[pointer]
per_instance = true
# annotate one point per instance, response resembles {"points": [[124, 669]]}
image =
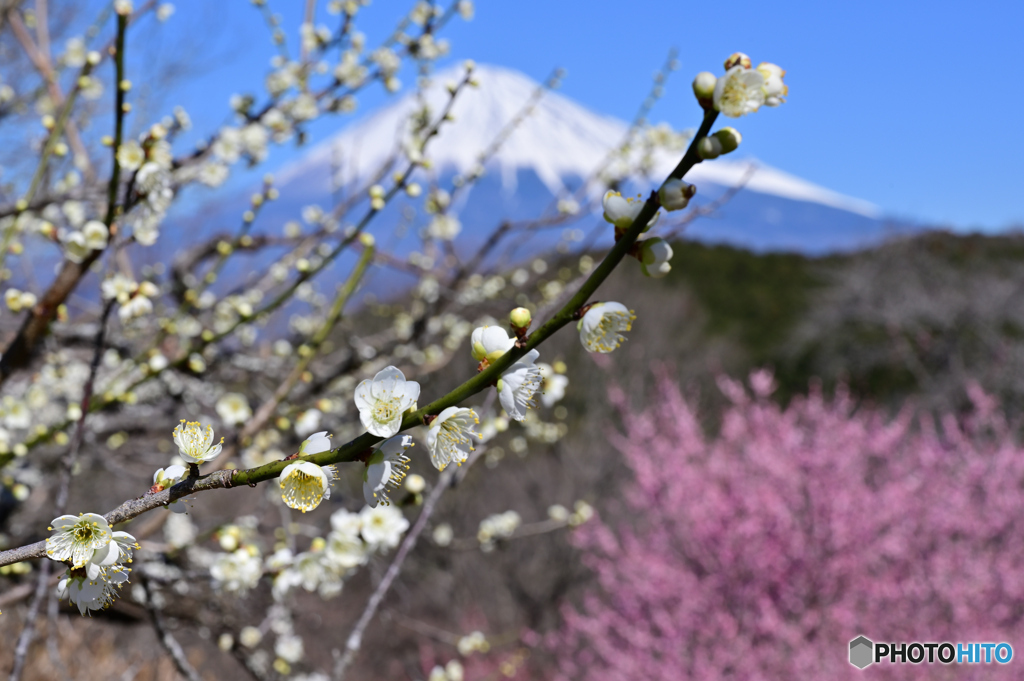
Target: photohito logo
{"points": [[864, 651]]}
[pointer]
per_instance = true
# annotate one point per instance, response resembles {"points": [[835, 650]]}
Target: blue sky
{"points": [[911, 105]]}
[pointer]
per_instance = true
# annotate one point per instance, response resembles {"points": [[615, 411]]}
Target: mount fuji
{"points": [[555, 148], [558, 145]]}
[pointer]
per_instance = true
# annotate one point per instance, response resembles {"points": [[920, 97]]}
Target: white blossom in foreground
{"points": [[518, 385], [775, 90], [655, 255], [621, 212], [386, 470], [76, 538], [448, 438], [739, 92], [233, 409], [490, 342], [383, 400], [383, 526], [315, 443], [602, 326], [553, 387], [92, 593], [194, 444], [117, 552], [304, 485]]}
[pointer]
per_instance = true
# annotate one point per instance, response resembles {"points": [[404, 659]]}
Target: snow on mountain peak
{"points": [[560, 139]]}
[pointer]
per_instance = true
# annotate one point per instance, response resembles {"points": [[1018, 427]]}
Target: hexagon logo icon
{"points": [[861, 649]]}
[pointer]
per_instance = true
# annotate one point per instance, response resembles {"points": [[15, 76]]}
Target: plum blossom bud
{"points": [[521, 318], [704, 85], [709, 148], [655, 254], [675, 194], [737, 59], [729, 138]]}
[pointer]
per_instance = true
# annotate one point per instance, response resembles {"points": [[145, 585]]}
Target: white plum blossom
{"points": [[131, 155], [96, 235], [76, 538], [350, 72], [518, 385], [75, 248], [233, 409], [443, 534], [775, 90], [655, 255], [621, 212], [117, 551], [228, 146], [739, 92], [92, 593], [74, 52], [385, 470], [289, 648], [444, 227], [238, 571], [383, 526], [602, 326], [553, 387], [213, 174], [194, 444], [304, 485], [498, 526], [448, 437], [315, 443], [19, 300], [118, 287], [490, 342], [383, 400], [165, 478], [138, 306]]}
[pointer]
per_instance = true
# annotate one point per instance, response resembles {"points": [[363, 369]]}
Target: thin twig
{"points": [[169, 643], [28, 631], [355, 639]]}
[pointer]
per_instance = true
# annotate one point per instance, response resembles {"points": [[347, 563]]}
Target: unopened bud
{"points": [[729, 138], [704, 85], [737, 59], [521, 318], [655, 254], [676, 194], [709, 148], [366, 239]]}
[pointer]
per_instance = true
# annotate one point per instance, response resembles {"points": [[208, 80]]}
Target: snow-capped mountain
{"points": [[557, 146]]}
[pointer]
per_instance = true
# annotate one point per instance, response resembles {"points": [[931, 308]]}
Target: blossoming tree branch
{"points": [[178, 329]]}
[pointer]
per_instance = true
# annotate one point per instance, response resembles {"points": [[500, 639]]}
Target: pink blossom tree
{"points": [[760, 551]]}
